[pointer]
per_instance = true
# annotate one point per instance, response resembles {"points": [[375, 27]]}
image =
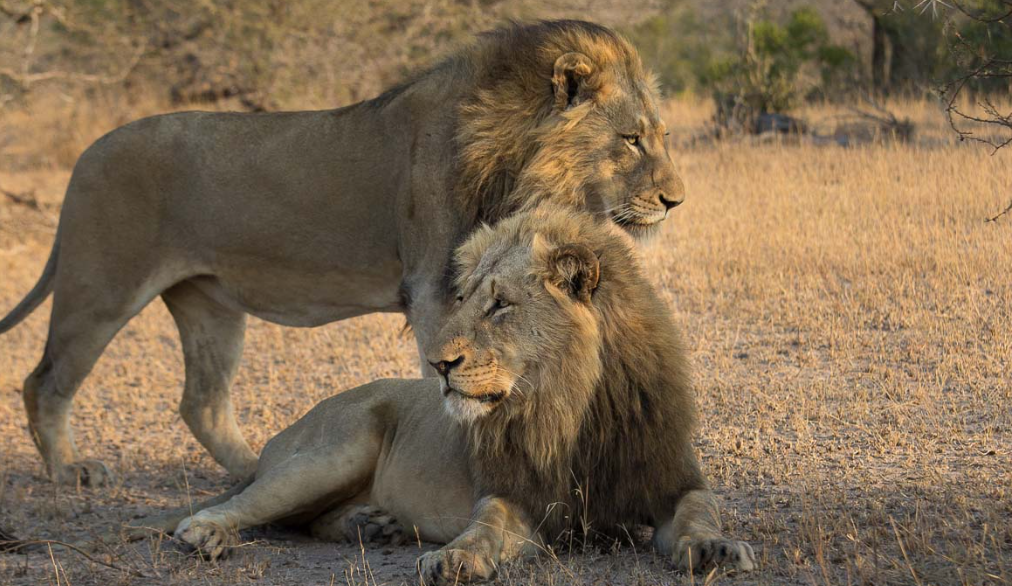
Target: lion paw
{"points": [[211, 539], [374, 525], [453, 566], [84, 472], [701, 555]]}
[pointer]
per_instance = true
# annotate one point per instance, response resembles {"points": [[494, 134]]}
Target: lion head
{"points": [[565, 112], [563, 365], [521, 312]]}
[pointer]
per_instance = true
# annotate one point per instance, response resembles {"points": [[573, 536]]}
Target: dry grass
{"points": [[848, 314]]}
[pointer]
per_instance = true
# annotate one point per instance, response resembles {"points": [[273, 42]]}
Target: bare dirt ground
{"points": [[848, 312]]}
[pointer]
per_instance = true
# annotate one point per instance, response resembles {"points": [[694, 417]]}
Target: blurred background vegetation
{"points": [[752, 58]]}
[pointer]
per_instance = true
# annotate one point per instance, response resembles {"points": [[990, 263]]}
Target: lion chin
{"points": [[636, 221], [639, 227], [467, 406]]}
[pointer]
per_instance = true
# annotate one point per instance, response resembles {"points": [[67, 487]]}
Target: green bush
{"points": [[778, 64], [678, 46]]}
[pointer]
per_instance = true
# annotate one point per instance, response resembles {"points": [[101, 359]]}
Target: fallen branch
{"points": [[26, 80], [26, 198], [14, 545], [6, 539], [1000, 214]]}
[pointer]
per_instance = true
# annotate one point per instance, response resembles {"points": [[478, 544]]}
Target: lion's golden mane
{"points": [[596, 453]]}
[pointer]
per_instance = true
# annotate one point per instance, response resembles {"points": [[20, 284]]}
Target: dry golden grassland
{"points": [[848, 315]]}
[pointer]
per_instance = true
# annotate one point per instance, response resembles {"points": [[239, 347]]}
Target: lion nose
{"points": [[669, 203], [444, 367]]}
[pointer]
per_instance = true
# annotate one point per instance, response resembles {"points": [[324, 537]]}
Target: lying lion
{"points": [[564, 402]]}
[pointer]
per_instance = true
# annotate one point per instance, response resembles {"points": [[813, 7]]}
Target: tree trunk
{"points": [[880, 70], [879, 58]]}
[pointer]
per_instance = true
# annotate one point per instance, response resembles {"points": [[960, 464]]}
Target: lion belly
{"points": [[292, 297]]}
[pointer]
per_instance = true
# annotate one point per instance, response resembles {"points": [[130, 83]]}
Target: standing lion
{"points": [[563, 404], [305, 218]]}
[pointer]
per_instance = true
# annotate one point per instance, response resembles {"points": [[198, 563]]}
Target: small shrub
{"points": [[779, 64], [776, 66], [677, 46]]}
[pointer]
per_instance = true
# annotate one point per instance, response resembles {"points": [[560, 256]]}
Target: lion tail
{"points": [[38, 293]]}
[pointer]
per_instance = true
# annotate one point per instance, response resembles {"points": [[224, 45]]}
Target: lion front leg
{"points": [[693, 540], [497, 533], [208, 534], [214, 531], [292, 487]]}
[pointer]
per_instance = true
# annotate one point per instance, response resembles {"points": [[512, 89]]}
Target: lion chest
{"points": [[422, 478]]}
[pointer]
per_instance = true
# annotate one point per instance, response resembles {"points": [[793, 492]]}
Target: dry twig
{"points": [[14, 545], [1000, 214], [26, 198], [988, 66], [25, 77]]}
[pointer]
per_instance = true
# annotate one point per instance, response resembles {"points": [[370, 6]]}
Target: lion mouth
{"points": [[639, 224], [493, 397]]}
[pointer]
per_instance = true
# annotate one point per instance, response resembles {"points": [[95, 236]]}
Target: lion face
{"points": [[519, 310], [634, 181], [604, 147]]}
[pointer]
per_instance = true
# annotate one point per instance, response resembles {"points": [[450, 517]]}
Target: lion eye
{"points": [[498, 305], [632, 140]]}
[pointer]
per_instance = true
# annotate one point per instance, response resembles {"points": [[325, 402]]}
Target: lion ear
{"points": [[574, 268], [573, 71]]}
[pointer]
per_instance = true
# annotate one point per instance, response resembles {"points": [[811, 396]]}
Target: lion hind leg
{"points": [[359, 524], [210, 536], [212, 338], [693, 539], [213, 531], [85, 318]]}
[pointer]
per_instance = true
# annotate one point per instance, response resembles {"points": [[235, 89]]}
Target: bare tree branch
{"points": [[28, 79], [981, 16], [25, 77], [983, 65]]}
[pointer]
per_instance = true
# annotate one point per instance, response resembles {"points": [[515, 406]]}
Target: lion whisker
{"points": [[618, 209], [612, 209], [519, 378]]}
